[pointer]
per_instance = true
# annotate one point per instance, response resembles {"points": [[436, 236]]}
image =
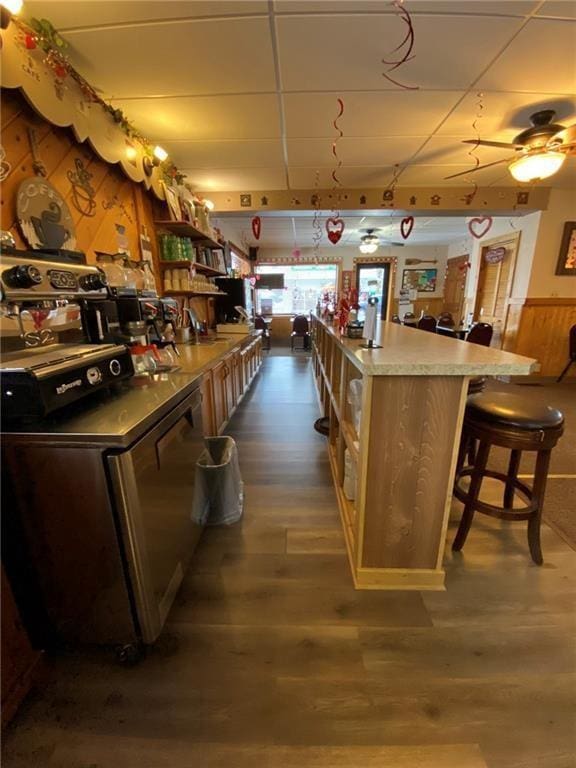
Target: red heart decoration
{"points": [[479, 226], [256, 227], [406, 226], [334, 229]]}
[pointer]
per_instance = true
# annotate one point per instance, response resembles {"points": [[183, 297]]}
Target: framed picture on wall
{"points": [[173, 202], [566, 264], [421, 280]]}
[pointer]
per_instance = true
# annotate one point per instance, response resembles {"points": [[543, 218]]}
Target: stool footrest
{"points": [[502, 513]]}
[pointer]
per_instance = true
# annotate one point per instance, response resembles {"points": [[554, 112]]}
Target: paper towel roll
{"points": [[369, 331]]}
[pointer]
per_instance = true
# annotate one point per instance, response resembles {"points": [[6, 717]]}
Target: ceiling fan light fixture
{"points": [[369, 243], [532, 167]]}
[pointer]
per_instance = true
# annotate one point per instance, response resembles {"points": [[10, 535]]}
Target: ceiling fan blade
{"points": [[479, 168], [564, 139], [501, 144]]}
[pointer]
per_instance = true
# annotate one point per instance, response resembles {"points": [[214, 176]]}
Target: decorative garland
{"points": [[335, 223], [42, 34], [474, 148]]}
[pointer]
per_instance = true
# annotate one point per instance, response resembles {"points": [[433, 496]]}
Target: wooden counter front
{"points": [[414, 393]]}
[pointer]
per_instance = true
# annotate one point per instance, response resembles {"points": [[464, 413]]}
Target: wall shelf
{"points": [[185, 229], [194, 293], [185, 264]]}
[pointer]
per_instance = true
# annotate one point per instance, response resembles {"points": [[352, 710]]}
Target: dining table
{"points": [[458, 331]]}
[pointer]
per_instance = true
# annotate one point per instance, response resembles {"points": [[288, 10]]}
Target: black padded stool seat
{"points": [[514, 422], [515, 410]]}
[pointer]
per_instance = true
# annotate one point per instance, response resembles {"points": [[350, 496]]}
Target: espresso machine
{"points": [[46, 362]]}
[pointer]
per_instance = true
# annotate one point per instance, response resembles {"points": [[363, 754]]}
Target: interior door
{"points": [[372, 280], [494, 286], [455, 286]]}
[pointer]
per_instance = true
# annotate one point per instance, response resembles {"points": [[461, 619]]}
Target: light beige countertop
{"points": [[412, 352], [196, 358]]}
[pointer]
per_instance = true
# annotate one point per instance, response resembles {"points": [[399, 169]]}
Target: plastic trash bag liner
{"points": [[218, 487], [355, 400]]}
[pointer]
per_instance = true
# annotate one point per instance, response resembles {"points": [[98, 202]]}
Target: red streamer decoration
{"points": [[336, 140], [404, 49], [474, 148], [256, 227]]}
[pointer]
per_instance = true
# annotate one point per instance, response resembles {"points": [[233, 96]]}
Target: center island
{"points": [[393, 452]]}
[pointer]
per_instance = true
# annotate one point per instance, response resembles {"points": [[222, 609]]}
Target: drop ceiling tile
{"points": [[504, 115], [449, 52], [226, 154], [564, 9], [205, 117], [237, 180], [70, 14], [504, 7], [434, 176], [192, 58], [317, 153], [541, 58], [350, 178], [446, 150], [382, 113]]}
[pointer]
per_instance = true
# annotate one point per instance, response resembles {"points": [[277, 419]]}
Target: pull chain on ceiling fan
{"points": [[543, 149]]}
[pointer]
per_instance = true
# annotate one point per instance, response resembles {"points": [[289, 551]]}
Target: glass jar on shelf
{"points": [[149, 279], [112, 269]]}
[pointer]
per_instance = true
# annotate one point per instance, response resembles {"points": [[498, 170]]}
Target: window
{"points": [[304, 284]]}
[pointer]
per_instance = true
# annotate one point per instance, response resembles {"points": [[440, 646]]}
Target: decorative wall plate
{"points": [[44, 216]]}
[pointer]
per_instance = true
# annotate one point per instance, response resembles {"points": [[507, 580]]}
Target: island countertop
{"points": [[412, 352]]}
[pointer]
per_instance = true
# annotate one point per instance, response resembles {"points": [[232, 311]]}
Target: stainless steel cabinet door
{"points": [[154, 488]]}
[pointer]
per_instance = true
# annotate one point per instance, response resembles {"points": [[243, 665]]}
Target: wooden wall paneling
{"points": [[414, 423], [543, 333], [511, 324]]}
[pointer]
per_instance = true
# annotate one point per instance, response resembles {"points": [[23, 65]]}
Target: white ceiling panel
{"points": [[226, 154], [236, 180], [360, 178], [200, 57], [542, 58], [434, 176], [504, 115], [382, 113], [317, 153], [565, 9], [449, 53], [71, 14], [205, 117], [475, 7]]}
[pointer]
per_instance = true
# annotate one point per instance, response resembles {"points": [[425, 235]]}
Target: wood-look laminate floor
{"points": [[270, 659]]}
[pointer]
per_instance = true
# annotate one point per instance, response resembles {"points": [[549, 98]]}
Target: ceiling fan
{"points": [[369, 242], [543, 148]]}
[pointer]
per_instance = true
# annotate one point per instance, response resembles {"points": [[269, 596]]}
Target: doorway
{"points": [[455, 286], [497, 262], [373, 281]]}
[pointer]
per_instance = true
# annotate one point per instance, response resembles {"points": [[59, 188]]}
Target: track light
{"points": [[158, 156]]}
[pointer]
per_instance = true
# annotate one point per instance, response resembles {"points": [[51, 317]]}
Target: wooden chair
{"points": [[480, 333], [300, 330], [572, 353], [427, 323], [517, 423]]}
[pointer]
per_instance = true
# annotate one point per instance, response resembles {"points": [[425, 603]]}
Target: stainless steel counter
{"points": [[112, 420]]}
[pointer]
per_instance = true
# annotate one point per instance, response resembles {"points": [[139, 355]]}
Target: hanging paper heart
{"points": [[406, 226], [334, 229], [296, 253], [256, 227], [479, 226]]}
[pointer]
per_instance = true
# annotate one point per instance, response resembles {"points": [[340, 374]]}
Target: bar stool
{"points": [[514, 422]]}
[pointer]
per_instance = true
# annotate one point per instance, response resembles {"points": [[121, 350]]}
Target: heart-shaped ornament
{"points": [[406, 226], [256, 227], [334, 229], [479, 226]]}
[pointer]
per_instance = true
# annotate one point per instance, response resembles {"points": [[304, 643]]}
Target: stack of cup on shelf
{"points": [[187, 280]]}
